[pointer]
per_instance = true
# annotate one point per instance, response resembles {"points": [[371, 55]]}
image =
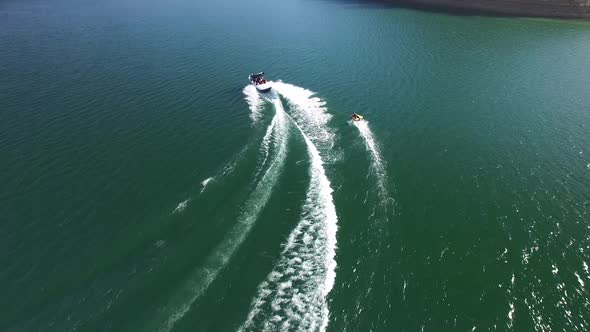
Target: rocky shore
{"points": [[573, 9]]}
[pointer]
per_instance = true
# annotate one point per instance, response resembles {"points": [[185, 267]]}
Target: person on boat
{"points": [[355, 117]]}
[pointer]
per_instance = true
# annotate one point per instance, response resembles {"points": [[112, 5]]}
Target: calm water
{"points": [[146, 187]]}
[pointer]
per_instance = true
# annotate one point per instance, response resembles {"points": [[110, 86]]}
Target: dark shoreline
{"points": [[557, 9]]}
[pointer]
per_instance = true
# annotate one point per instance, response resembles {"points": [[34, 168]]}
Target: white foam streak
{"points": [[181, 206], [201, 278], [311, 114], [254, 102], [377, 163], [580, 281], [205, 182], [264, 146], [294, 295], [226, 170]]}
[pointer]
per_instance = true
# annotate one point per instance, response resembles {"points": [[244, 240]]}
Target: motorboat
{"points": [[258, 80], [356, 117]]}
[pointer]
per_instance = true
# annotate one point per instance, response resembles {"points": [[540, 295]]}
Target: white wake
{"points": [[266, 140], [205, 182], [378, 228], [310, 113], [202, 278], [227, 169], [181, 206], [255, 102], [294, 295], [377, 163]]}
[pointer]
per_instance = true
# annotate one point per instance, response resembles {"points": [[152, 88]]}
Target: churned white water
{"points": [[294, 294], [254, 101], [377, 164], [199, 281]]}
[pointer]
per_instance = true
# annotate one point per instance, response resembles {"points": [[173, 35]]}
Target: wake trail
{"points": [[227, 169], [255, 104], [311, 114], [370, 255], [294, 294], [205, 182], [181, 206], [377, 163], [254, 101], [265, 145], [201, 278]]}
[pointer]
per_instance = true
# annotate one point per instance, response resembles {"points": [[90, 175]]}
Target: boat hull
{"points": [[259, 82], [263, 87]]}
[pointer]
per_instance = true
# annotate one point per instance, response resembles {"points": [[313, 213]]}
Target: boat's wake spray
{"points": [[254, 101], [377, 229], [377, 163], [294, 295], [201, 278], [226, 170]]}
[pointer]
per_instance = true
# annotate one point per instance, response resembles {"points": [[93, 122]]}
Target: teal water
{"points": [[146, 187]]}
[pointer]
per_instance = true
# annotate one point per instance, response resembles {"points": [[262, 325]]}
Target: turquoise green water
{"points": [[146, 187]]}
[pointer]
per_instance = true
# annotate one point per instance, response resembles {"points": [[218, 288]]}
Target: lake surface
{"points": [[146, 187]]}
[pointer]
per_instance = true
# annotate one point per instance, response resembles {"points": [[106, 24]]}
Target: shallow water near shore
{"points": [[146, 187]]}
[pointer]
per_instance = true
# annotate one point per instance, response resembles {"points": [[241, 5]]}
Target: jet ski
{"points": [[259, 82], [356, 117]]}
